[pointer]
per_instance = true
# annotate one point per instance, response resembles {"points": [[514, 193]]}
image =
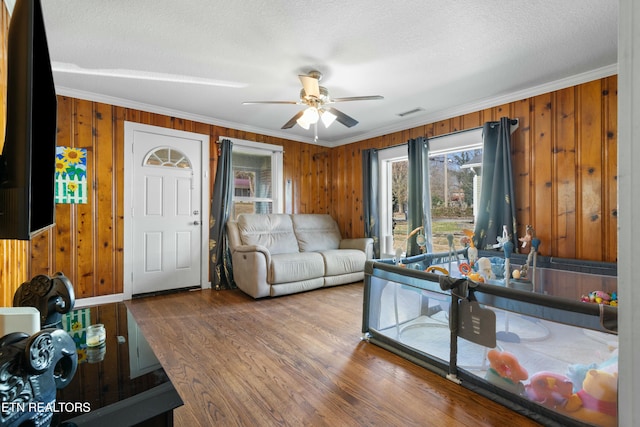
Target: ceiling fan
{"points": [[317, 100]]}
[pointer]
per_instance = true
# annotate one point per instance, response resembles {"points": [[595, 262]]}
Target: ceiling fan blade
{"points": [[348, 121], [270, 102], [310, 85], [292, 122], [357, 98]]}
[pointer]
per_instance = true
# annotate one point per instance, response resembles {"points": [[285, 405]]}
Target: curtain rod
{"points": [[434, 137], [512, 122]]}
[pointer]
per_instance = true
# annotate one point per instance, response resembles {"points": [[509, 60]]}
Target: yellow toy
{"points": [[476, 277], [441, 270], [597, 402]]}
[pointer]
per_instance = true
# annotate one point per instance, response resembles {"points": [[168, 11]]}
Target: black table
{"points": [[104, 390]]}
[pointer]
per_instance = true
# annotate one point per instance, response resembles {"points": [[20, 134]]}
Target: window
{"points": [[454, 171], [167, 157], [393, 165], [257, 178]]}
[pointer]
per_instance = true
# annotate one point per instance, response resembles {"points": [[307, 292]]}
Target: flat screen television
{"points": [[27, 164]]}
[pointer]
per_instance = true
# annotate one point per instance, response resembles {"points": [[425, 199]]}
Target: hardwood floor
{"points": [[296, 360]]}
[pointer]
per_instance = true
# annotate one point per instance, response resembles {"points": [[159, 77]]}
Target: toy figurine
{"points": [[472, 252], [528, 236], [502, 240]]}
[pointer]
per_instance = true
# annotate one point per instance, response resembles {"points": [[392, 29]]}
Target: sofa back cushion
{"points": [[316, 232], [273, 231]]}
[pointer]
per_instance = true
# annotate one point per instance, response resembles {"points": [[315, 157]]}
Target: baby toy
{"points": [[549, 389], [596, 402], [506, 372], [484, 268], [601, 297], [502, 240], [472, 252], [578, 372], [476, 277], [526, 239], [441, 270]]}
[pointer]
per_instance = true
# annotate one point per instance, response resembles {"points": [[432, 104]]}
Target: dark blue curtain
{"points": [[419, 196], [221, 271], [370, 198], [497, 209]]}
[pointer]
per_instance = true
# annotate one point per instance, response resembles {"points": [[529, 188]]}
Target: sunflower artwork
{"points": [[75, 324], [71, 175]]}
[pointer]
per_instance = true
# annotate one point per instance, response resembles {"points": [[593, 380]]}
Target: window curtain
{"points": [[370, 175], [496, 213], [220, 268], [419, 196]]}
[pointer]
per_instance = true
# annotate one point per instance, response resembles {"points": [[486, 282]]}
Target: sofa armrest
{"points": [[365, 244], [254, 248], [250, 267]]}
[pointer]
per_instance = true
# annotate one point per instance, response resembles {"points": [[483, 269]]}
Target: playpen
{"points": [[531, 344]]}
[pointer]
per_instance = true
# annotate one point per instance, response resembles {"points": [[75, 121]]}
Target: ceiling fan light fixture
{"points": [[304, 125], [327, 117], [309, 117]]}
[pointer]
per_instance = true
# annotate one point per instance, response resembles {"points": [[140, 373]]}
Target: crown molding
{"points": [[127, 103], [403, 125], [490, 102]]}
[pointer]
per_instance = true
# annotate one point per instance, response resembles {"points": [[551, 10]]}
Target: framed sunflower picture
{"points": [[71, 175]]}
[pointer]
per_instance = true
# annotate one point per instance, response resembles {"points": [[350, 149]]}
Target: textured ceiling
{"points": [[200, 59]]}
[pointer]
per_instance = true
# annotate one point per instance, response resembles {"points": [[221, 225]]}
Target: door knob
{"points": [[196, 222]]}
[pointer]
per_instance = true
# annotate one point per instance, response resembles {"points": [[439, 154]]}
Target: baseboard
{"points": [[105, 299]]}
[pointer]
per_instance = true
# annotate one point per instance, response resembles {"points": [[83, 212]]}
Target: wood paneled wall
{"points": [[564, 157], [564, 163]]}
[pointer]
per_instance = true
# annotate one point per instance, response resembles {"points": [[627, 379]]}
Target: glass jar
{"points": [[96, 335]]}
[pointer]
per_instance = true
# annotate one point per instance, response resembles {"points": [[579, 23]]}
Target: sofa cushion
{"points": [[295, 267], [293, 287], [273, 231], [316, 232], [343, 278], [343, 261]]}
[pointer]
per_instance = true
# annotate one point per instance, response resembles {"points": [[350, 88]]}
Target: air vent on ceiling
{"points": [[415, 110]]}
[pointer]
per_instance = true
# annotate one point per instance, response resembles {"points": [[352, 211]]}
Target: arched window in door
{"points": [[167, 157]]}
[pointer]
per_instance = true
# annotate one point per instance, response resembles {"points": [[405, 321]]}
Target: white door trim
{"points": [[129, 129]]}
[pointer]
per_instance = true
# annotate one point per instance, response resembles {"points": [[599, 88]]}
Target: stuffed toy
{"points": [[549, 389], [597, 401], [506, 371], [578, 372], [484, 268]]}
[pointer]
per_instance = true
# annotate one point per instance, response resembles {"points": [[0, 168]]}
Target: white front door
{"points": [[166, 210]]}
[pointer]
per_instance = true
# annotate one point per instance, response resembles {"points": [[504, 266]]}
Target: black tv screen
{"points": [[27, 165]]}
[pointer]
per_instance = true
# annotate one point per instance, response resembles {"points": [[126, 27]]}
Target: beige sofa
{"points": [[280, 254]]}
